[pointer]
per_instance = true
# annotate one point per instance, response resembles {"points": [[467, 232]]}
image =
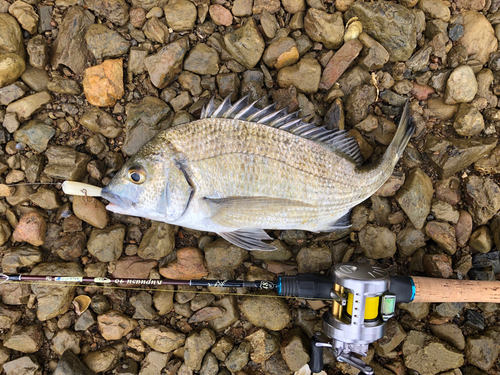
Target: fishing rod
{"points": [[363, 298]]}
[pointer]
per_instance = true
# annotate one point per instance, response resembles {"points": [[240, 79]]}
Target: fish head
{"points": [[149, 186]]}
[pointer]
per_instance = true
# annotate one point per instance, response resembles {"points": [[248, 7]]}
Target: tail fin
{"points": [[405, 130]]}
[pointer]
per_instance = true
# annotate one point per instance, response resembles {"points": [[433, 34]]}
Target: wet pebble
{"points": [[394, 335], [478, 36], [196, 345], [36, 134], [270, 313], [324, 28], [163, 299], [190, 264], [293, 76], [23, 365], [143, 303], [238, 357], [220, 15], [103, 84], [282, 52], [294, 349], [25, 339], [245, 44], [484, 197], [113, 325], [481, 240], [162, 339], [437, 265], [461, 86], [377, 242], [264, 345], [164, 66], [24, 108], [115, 11], [180, 15], [16, 258], [134, 267], [31, 228], [221, 255], [105, 358], [314, 259], [91, 211], [104, 42], [483, 350], [66, 340]]}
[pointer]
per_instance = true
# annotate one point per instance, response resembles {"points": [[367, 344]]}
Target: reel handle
{"points": [[316, 361]]}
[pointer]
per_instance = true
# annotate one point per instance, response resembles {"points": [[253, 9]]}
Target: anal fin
{"points": [[248, 239]]}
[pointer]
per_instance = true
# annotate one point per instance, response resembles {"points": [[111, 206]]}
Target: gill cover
{"points": [[177, 192]]}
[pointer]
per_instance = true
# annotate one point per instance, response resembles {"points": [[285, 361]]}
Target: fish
{"points": [[240, 170]]}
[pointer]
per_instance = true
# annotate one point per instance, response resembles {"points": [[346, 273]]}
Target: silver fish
{"points": [[239, 170]]}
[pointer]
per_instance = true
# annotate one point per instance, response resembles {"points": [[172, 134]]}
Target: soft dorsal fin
{"points": [[335, 140]]}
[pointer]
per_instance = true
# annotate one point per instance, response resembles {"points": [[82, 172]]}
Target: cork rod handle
{"points": [[429, 289]]}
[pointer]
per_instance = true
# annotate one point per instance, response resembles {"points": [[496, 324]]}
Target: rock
{"points": [[294, 6], [484, 198], [144, 120], [479, 36], [26, 365], [245, 44], [25, 15], [154, 363], [8, 316], [36, 134], [16, 258], [69, 48], [11, 37], [25, 339], [114, 325], [444, 211], [468, 121], [269, 24], [238, 358], [242, 8], [190, 264], [62, 85], [202, 59], [489, 164], [377, 242], [441, 110], [143, 303], [134, 267], [415, 197], [280, 53], [449, 333], [136, 59], [206, 314], [107, 244], [264, 345], [392, 25], [230, 316], [104, 42], [428, 355], [281, 253], [443, 234], [222, 348], [394, 335], [156, 30], [481, 240], [158, 241], [324, 28], [417, 310], [35, 79], [24, 108], [11, 68], [293, 76], [451, 155], [101, 122], [409, 240], [91, 211], [180, 15], [358, 103], [162, 339], [115, 11], [482, 351], [437, 265], [449, 309], [163, 299], [295, 349], [338, 64], [54, 300], [31, 229], [70, 364], [221, 256], [314, 259], [197, 344], [164, 66], [474, 320], [435, 9], [10, 93], [66, 340], [461, 86], [103, 84], [220, 15], [269, 313], [375, 55], [105, 358], [85, 321]]}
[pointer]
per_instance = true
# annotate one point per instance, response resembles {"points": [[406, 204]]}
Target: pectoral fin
{"points": [[249, 239]]}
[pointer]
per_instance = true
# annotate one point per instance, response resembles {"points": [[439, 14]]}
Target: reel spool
{"points": [[361, 306]]}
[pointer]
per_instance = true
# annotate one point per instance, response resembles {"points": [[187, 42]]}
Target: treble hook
{"points": [[86, 199]]}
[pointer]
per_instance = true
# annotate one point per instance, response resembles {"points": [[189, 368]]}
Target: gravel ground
{"points": [[85, 83]]}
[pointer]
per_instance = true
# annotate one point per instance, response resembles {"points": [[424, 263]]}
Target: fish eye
{"points": [[137, 175]]}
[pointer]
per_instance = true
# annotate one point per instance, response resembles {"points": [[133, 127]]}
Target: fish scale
{"points": [[263, 170]]}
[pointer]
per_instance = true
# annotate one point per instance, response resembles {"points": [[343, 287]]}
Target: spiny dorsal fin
{"points": [[335, 140]]}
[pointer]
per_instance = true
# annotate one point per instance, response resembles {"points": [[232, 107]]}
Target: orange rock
{"points": [[103, 84], [221, 15], [339, 63], [31, 229], [421, 92], [190, 264], [90, 210]]}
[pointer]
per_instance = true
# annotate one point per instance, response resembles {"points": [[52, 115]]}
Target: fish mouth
{"points": [[122, 202]]}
